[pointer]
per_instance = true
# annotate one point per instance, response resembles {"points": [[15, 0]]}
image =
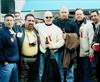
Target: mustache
{"points": [[30, 24]]}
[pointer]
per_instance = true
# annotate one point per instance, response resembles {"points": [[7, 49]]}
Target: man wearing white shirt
{"points": [[54, 35]]}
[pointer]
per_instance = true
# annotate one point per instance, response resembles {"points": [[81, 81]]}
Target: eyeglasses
{"points": [[63, 12], [48, 17]]}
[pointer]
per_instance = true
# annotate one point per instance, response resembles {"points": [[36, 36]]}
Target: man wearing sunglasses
{"points": [[53, 34]]}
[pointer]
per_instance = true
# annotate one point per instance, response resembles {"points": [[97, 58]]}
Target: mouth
{"points": [[30, 24]]}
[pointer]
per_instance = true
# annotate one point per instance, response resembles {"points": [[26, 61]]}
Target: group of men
{"points": [[23, 46]]}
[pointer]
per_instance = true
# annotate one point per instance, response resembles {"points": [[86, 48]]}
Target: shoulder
{"points": [[39, 24], [56, 27], [88, 24], [71, 21], [57, 19], [98, 27], [2, 32]]}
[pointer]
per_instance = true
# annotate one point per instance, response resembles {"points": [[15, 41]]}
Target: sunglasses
{"points": [[48, 17], [63, 12]]}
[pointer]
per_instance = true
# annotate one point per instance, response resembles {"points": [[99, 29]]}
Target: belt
{"points": [[29, 56]]}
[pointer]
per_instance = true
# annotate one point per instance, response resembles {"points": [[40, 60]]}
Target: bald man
{"points": [[68, 26], [53, 34]]}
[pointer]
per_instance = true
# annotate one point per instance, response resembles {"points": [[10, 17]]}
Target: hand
{"points": [[96, 47], [46, 45], [91, 57]]}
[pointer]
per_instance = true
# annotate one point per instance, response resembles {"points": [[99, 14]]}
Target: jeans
{"points": [[70, 71], [70, 74], [41, 65], [60, 63], [98, 67], [8, 72], [85, 69]]}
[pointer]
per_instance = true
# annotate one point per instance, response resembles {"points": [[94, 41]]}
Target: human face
{"points": [[94, 17], [64, 13], [79, 15], [9, 22], [48, 18], [17, 16], [29, 22]]}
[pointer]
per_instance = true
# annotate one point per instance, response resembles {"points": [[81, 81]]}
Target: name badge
{"points": [[12, 39], [19, 34]]}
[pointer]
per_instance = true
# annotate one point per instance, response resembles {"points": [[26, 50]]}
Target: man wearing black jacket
{"points": [[68, 26], [96, 40]]}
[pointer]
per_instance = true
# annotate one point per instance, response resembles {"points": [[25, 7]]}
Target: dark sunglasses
{"points": [[48, 17], [63, 12]]}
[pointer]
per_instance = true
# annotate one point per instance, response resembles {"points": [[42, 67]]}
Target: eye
{"points": [[49, 17], [31, 20]]}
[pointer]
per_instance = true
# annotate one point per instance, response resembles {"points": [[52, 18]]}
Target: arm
{"points": [[59, 42], [90, 36], [96, 35], [1, 47]]}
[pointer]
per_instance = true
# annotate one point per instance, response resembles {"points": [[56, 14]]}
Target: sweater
{"points": [[8, 46], [54, 34], [86, 36]]}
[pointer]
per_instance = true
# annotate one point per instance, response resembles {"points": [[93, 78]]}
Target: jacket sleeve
{"points": [[1, 45], [90, 36], [59, 40], [96, 35]]}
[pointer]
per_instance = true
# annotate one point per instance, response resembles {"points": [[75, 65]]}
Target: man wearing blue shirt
{"points": [[9, 54]]}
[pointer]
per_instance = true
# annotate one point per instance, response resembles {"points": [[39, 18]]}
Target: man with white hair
{"points": [[53, 34]]}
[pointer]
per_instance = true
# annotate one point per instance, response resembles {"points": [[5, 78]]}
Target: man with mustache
{"points": [[28, 43]]}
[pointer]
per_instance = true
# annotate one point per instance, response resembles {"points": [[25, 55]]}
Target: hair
{"points": [[95, 11], [8, 15], [16, 13], [79, 9], [29, 15], [64, 8], [48, 13]]}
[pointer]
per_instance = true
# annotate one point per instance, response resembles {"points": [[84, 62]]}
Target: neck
{"points": [[48, 24]]}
